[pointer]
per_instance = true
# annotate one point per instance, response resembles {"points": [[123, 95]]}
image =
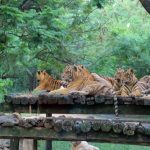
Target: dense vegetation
{"points": [[48, 34]]}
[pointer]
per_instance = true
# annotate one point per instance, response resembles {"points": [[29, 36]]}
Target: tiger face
{"points": [[119, 75], [67, 74], [42, 75], [145, 79], [72, 72], [129, 77]]}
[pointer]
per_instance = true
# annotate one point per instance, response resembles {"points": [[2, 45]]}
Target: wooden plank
{"points": [[14, 143], [49, 142], [121, 139], [83, 109], [35, 146], [27, 144], [77, 109], [47, 98], [49, 134]]}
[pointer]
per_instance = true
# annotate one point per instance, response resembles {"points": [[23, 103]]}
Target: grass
{"points": [[62, 145]]}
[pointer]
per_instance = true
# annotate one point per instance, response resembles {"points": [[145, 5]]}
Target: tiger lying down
{"points": [[80, 81], [47, 82]]}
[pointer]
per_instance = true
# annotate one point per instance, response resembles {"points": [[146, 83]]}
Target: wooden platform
{"points": [[113, 130], [74, 104]]}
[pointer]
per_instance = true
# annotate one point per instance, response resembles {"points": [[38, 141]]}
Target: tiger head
{"points": [[129, 77], [118, 76], [42, 75], [73, 72], [146, 80]]}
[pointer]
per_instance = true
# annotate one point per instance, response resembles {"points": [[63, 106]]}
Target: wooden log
{"points": [[21, 122], [119, 99], [50, 134], [32, 121], [90, 101], [127, 100], [40, 122], [43, 97], [49, 123], [109, 100], [139, 101], [147, 101], [53, 99], [78, 98], [146, 128], [14, 144], [96, 125], [16, 101], [10, 97], [140, 129], [106, 125], [65, 99], [67, 125], [24, 100], [9, 120], [118, 127], [85, 126], [27, 125], [58, 125], [99, 99], [77, 126], [129, 129], [33, 99]]}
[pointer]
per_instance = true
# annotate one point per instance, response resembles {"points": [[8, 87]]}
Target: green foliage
{"points": [[4, 85], [122, 39], [31, 40]]}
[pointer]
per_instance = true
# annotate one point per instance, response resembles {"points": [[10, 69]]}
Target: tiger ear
{"points": [[82, 66], [44, 72], [118, 69], [38, 71], [75, 67], [131, 70]]}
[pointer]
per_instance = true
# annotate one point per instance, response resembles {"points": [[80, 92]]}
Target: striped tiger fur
{"points": [[100, 78], [117, 82], [130, 85], [46, 82], [113, 82], [144, 84], [81, 81]]}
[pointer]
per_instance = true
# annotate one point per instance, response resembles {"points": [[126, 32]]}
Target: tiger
{"points": [[144, 84], [81, 81], [117, 82], [107, 80], [129, 84], [113, 82], [46, 82]]}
